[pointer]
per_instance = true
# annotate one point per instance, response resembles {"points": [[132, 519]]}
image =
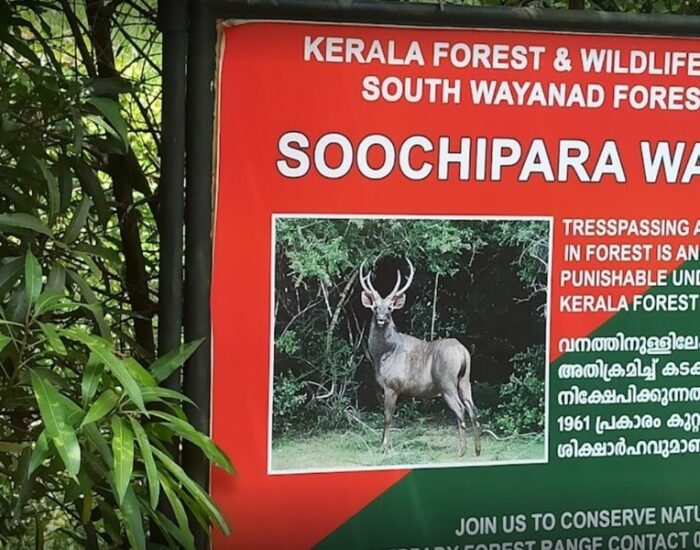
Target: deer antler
{"points": [[404, 288], [366, 282]]}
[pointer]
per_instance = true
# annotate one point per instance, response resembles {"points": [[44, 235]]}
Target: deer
{"points": [[408, 366]]}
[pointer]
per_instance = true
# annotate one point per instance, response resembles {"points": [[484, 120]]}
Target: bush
{"points": [[288, 403], [522, 398]]}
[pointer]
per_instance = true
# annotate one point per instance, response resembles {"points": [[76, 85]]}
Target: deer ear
{"points": [[399, 301], [367, 300]]}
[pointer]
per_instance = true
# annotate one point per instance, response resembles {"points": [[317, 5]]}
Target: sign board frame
{"points": [[205, 17]]}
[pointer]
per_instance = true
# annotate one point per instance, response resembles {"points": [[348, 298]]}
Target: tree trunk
{"points": [[435, 295], [136, 279]]}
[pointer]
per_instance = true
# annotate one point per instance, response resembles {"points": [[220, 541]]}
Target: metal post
{"points": [[172, 21], [198, 215]]}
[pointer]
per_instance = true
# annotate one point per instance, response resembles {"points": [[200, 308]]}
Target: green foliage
{"points": [[87, 435], [288, 410], [522, 398]]}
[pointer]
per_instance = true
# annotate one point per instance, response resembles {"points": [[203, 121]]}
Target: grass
{"points": [[421, 442]]}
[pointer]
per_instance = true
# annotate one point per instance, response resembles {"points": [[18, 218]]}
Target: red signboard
{"points": [[576, 151]]}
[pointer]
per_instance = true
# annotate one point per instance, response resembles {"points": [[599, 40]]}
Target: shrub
{"points": [[522, 398], [288, 403]]}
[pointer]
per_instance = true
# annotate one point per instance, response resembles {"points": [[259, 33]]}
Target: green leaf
{"points": [[195, 490], [73, 412], [186, 430], [141, 375], [90, 183], [77, 222], [93, 305], [57, 279], [52, 337], [78, 131], [107, 86], [20, 46], [158, 394], [39, 453], [166, 365], [53, 193], [107, 254], [148, 462], [133, 519], [23, 482], [111, 111], [50, 301], [112, 525], [99, 442], [170, 530], [101, 407], [9, 273], [13, 222], [65, 182], [123, 451], [32, 277], [53, 413], [91, 378], [4, 340], [180, 514], [120, 372]]}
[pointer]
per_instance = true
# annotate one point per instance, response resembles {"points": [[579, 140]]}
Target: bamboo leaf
{"points": [[13, 222], [78, 131], [111, 112], [73, 412], [52, 337], [170, 530], [53, 192], [158, 394], [56, 283], [32, 277], [186, 430], [50, 301], [92, 186], [9, 273], [166, 365], [131, 512], [195, 490], [99, 442], [23, 482], [120, 372], [4, 340], [53, 413], [101, 407], [142, 376], [78, 220], [107, 86], [91, 378], [148, 462], [39, 453], [123, 451], [180, 514], [93, 304], [20, 46]]}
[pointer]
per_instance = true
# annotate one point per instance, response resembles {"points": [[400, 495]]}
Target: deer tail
{"points": [[464, 371]]}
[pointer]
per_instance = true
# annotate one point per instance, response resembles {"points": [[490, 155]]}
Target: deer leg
{"points": [[390, 398], [455, 403], [465, 389]]}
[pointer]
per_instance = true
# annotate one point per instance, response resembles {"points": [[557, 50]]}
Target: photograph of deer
{"points": [[386, 329], [408, 366]]}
